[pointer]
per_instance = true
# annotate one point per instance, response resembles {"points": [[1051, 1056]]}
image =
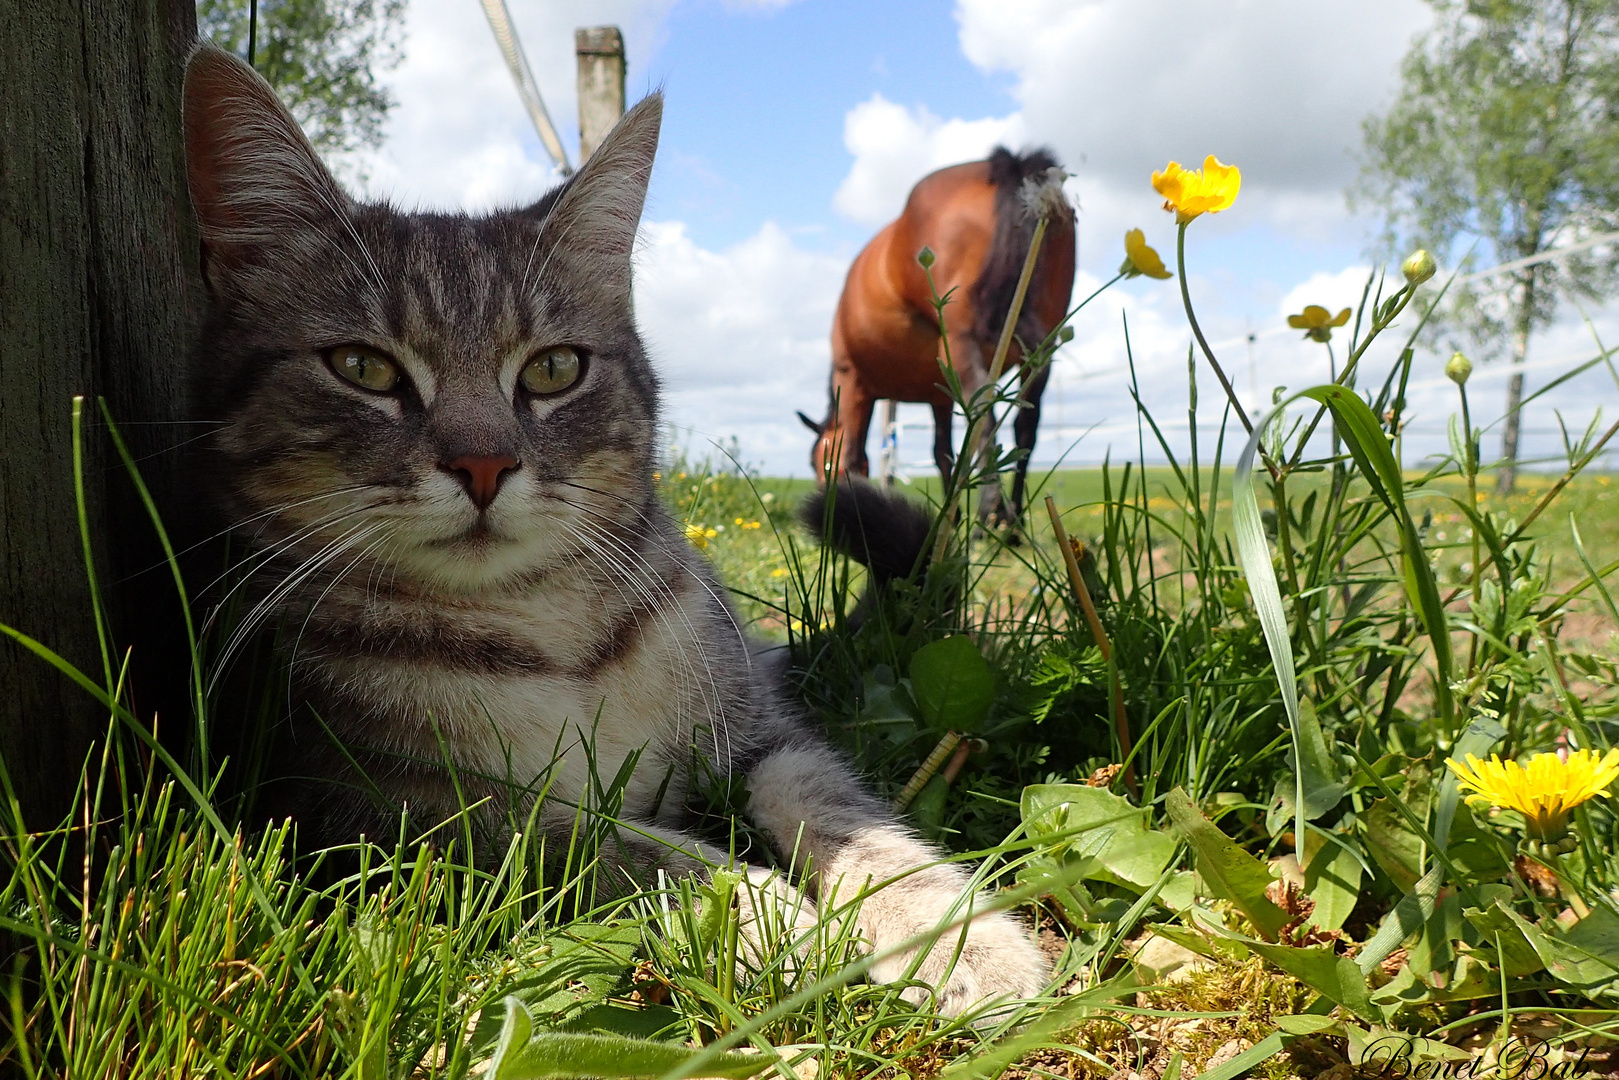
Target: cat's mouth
{"points": [[478, 536]]}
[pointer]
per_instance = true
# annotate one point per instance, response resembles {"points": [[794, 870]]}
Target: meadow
{"points": [[1205, 746]]}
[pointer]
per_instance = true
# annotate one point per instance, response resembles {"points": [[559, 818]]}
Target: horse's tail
{"points": [[1014, 230], [880, 529]]}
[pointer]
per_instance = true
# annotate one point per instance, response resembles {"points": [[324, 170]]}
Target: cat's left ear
{"points": [[595, 214]]}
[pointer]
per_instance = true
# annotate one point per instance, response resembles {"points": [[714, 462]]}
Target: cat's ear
{"points": [[595, 214], [255, 180]]}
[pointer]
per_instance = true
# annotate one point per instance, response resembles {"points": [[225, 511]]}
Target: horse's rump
{"points": [[1014, 230]]}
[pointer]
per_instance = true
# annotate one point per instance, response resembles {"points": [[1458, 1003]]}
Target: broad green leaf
{"points": [[1597, 934], [1567, 962], [523, 1055], [952, 684], [583, 964], [1392, 844], [1328, 974], [1103, 830], [1307, 1024], [1226, 868], [1323, 778], [1332, 880]]}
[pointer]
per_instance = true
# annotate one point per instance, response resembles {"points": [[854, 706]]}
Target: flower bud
{"points": [[1066, 334], [1458, 368], [1418, 266], [925, 257]]}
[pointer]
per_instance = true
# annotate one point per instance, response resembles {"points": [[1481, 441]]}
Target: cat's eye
{"points": [[365, 367], [552, 371]]}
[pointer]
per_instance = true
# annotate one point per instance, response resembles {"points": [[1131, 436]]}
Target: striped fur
{"points": [[568, 613]]}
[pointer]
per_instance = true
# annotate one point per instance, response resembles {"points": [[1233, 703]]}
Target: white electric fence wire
{"points": [[500, 21]]}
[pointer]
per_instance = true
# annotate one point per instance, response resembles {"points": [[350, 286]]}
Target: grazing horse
{"points": [[885, 336]]}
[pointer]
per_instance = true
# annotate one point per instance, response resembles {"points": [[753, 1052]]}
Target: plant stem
{"points": [[1121, 722], [924, 772], [1197, 331]]}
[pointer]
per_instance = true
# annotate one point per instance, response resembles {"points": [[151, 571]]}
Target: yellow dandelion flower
{"points": [[700, 535], [780, 571], [1140, 259], [1317, 322], [1543, 791], [1190, 192]]}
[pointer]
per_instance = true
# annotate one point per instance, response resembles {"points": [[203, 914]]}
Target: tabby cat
{"points": [[439, 433]]}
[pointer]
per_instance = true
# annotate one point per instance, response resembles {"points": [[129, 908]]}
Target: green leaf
{"points": [[952, 684], [1392, 844], [1413, 911], [1306, 1024], [1369, 445], [1102, 830], [1332, 880], [1328, 974], [1323, 780], [1226, 868], [523, 1055], [584, 964], [1261, 1052], [1568, 963]]}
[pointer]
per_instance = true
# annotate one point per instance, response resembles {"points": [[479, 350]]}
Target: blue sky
{"points": [[793, 130]]}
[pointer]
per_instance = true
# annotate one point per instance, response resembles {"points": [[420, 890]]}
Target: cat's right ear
{"points": [[596, 213], [255, 180]]}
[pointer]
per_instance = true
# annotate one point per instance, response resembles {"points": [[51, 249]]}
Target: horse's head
{"points": [[818, 452]]}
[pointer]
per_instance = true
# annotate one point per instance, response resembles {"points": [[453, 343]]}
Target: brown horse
{"points": [[885, 336]]}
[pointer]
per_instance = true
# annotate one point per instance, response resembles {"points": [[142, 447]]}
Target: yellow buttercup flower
{"points": [[1543, 791], [700, 535], [1190, 192], [1317, 322], [1140, 259]]}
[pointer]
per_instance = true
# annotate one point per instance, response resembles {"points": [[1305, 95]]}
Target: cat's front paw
{"points": [[998, 960]]}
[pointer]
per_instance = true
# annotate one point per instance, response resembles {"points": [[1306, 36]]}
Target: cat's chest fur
{"points": [[545, 685]]}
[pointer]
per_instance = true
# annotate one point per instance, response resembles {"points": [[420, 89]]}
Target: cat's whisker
{"points": [[649, 576], [268, 555], [272, 511], [590, 550], [289, 583], [292, 653]]}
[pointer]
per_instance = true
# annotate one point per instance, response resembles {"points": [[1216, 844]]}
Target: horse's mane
{"points": [[1014, 228]]}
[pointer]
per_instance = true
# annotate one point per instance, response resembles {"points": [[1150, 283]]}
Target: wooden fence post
{"points": [[98, 295], [601, 84]]}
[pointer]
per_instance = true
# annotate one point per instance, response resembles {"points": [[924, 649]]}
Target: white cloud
{"points": [[1276, 86], [740, 337], [894, 147]]}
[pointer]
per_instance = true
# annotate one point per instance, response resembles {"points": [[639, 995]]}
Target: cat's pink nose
{"points": [[481, 476]]}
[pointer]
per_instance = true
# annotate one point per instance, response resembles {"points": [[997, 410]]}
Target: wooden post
{"points": [[601, 84], [98, 275], [888, 455]]}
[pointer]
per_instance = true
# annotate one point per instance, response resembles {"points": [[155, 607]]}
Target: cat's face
{"points": [[460, 401]]}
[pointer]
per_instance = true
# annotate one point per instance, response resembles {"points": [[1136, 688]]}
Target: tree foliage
{"points": [[322, 56], [1503, 143]]}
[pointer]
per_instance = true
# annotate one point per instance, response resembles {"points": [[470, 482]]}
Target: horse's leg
{"points": [[854, 406], [1024, 429], [944, 451], [971, 361]]}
